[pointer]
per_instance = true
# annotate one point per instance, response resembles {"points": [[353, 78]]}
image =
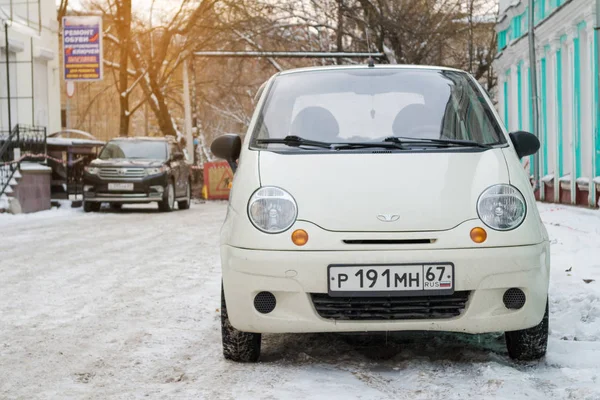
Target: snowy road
{"points": [[125, 305]]}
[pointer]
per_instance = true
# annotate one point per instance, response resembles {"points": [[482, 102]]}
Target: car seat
{"points": [[316, 123]]}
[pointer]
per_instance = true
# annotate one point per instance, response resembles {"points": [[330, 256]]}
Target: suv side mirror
{"points": [[228, 147], [525, 143]]}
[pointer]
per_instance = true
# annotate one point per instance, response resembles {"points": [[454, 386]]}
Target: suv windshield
{"points": [[135, 149], [372, 105]]}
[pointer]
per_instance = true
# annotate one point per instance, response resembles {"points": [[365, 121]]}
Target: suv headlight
{"points": [[272, 210], [92, 170], [155, 171], [502, 207]]}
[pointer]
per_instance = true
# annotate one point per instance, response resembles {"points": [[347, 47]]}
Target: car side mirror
{"points": [[228, 147], [525, 143], [178, 157]]}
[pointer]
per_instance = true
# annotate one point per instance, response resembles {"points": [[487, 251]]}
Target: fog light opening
{"points": [[478, 235], [299, 237], [265, 302], [514, 299]]}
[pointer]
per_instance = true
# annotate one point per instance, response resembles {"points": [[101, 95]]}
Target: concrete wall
{"points": [[33, 188]]}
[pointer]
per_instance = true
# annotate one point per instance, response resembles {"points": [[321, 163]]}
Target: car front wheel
{"points": [[237, 345], [185, 204], [168, 202], [91, 207], [529, 344]]}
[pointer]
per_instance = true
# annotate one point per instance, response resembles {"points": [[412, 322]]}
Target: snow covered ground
{"points": [[125, 305]]}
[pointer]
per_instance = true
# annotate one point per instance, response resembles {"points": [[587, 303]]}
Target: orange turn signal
{"points": [[299, 237], [478, 235]]}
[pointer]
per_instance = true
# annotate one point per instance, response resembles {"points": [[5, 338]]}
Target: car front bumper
{"points": [[145, 190], [292, 276]]}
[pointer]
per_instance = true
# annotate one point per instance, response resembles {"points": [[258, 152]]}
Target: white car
{"points": [[378, 199]]}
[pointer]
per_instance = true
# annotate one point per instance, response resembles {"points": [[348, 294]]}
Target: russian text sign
{"points": [[82, 48]]}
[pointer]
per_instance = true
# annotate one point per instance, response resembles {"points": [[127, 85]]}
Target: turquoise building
{"points": [[567, 75]]}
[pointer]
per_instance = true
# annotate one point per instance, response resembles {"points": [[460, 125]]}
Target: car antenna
{"points": [[370, 61]]}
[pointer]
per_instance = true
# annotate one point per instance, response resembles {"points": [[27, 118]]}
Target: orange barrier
{"points": [[217, 180]]}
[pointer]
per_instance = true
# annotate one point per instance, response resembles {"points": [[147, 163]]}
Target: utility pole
{"points": [[534, 93], [187, 112]]}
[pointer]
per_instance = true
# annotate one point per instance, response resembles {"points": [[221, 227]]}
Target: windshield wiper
{"points": [[438, 142], [295, 141]]}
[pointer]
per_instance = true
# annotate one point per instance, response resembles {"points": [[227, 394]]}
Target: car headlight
{"points": [[272, 210], [92, 170], [155, 171], [502, 207]]}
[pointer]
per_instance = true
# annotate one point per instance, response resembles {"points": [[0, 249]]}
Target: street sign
{"points": [[217, 180], [82, 48]]}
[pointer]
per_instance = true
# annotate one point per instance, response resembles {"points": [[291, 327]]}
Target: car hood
{"points": [[127, 163], [421, 191]]}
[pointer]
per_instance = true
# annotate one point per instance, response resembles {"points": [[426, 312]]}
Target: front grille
{"points": [[389, 241], [390, 308], [121, 173], [127, 195]]}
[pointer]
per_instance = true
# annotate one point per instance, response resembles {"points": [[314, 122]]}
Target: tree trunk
{"points": [[124, 30], [340, 29]]}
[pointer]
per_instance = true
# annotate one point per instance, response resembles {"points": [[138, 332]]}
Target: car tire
{"points": [[91, 206], [529, 344], [237, 345], [116, 206], [185, 204], [168, 202]]}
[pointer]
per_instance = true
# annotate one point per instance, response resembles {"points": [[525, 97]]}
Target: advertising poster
{"points": [[82, 48]]}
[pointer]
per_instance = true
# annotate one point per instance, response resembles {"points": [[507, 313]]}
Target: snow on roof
{"points": [[58, 141], [33, 166], [146, 138]]}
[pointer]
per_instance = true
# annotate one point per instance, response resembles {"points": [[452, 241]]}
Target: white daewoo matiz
{"points": [[378, 199]]}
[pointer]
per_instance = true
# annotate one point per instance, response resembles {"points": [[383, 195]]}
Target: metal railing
{"points": [[21, 140], [8, 144]]}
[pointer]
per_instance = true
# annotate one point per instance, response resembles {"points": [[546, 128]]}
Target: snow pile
{"points": [[575, 279], [125, 305]]}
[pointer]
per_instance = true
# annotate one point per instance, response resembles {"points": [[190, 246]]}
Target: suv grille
{"points": [[390, 308], [122, 173]]}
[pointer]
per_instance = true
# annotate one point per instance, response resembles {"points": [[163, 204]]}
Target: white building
{"points": [[567, 69], [32, 82]]}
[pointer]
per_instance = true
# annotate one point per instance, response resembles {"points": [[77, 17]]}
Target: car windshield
{"points": [[135, 149], [370, 105]]}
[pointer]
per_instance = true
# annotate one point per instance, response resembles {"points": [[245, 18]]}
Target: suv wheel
{"points": [[529, 344], [237, 345], [185, 204], [168, 202], [91, 207]]}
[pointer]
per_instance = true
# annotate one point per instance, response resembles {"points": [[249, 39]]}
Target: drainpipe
{"points": [[7, 73], [596, 134], [534, 94]]}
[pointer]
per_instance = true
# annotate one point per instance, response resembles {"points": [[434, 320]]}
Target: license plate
{"points": [[120, 186], [391, 280]]}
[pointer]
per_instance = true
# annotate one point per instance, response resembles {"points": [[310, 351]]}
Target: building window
{"points": [[40, 92], [26, 12], [4, 85], [516, 27], [501, 40]]}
